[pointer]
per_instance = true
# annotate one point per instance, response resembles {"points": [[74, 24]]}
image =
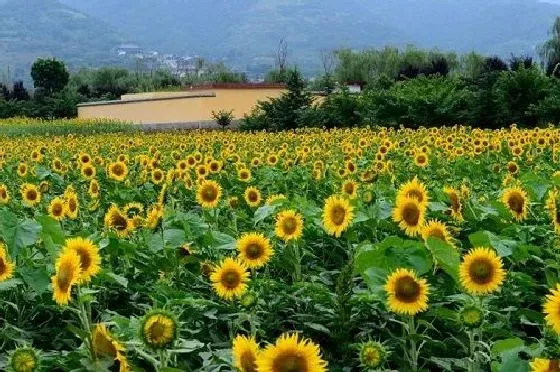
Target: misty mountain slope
{"points": [[241, 30], [42, 28]]}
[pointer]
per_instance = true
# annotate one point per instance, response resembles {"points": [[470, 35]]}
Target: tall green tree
{"points": [[50, 75], [285, 112], [549, 51]]}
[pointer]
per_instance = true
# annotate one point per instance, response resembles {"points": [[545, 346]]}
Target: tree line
{"points": [[414, 87], [57, 92]]}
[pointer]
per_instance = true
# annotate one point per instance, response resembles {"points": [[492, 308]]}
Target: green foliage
{"points": [[284, 112], [223, 118], [421, 101], [49, 75]]}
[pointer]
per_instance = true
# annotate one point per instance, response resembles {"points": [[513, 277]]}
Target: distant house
{"points": [[127, 49], [355, 86]]}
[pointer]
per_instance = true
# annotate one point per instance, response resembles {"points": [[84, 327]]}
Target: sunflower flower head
{"points": [[229, 278], [291, 353], [159, 329], [481, 271], [24, 359], [337, 215], [255, 250], [406, 294], [289, 225], [245, 351]]}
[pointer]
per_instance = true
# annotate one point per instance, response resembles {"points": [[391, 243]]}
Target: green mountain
{"points": [[243, 31], [47, 28]]}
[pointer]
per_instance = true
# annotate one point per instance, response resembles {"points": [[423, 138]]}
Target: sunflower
{"points": [[22, 169], [372, 354], [481, 271], [67, 274], [409, 213], [244, 175], [157, 176], [6, 266], [436, 229], [30, 194], [159, 329], [471, 317], [254, 249], [90, 260], [456, 209], [421, 159], [337, 215], [24, 359], [349, 188], [291, 353], [406, 294], [275, 198], [289, 225], [4, 194], [117, 221], [88, 171], [104, 345], [552, 309], [245, 352], [72, 204], [93, 189], [544, 365], [515, 199], [57, 208], [230, 278], [117, 171], [208, 194], [512, 167], [414, 189], [252, 196]]}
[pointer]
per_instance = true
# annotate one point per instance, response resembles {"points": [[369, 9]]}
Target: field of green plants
{"points": [[306, 251]]}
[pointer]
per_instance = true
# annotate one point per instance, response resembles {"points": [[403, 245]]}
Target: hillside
{"points": [[42, 28], [243, 30]]}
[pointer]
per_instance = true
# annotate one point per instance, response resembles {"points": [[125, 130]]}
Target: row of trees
{"points": [[57, 92], [417, 87]]}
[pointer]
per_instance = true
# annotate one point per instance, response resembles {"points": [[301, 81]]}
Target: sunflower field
{"points": [[367, 249]]}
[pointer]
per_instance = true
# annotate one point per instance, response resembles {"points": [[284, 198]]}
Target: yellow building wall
{"points": [[179, 107]]}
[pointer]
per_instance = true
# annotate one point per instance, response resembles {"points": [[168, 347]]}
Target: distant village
{"points": [[179, 66]]}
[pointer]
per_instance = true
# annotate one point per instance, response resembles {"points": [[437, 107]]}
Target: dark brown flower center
{"points": [[289, 225], [253, 251], [119, 222], [290, 362], [31, 195], [516, 202], [85, 258], [230, 279], [407, 289], [247, 361], [157, 331], [481, 271], [253, 196], [411, 214], [57, 209], [118, 169], [64, 277], [209, 194], [338, 213]]}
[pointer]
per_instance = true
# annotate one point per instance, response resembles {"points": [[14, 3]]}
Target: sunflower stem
{"points": [[86, 324], [413, 353], [473, 363], [297, 262]]}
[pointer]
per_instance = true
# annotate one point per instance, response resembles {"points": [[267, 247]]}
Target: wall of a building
{"points": [[178, 107]]}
